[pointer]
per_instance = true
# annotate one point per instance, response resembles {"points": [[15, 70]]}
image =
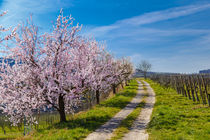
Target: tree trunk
{"points": [[126, 83], [97, 97], [114, 89], [62, 109], [145, 75], [122, 85]]}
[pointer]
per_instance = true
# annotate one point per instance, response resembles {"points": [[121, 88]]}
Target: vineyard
{"points": [[196, 87], [177, 118]]}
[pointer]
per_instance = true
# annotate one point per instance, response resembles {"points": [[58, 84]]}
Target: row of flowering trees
{"points": [[54, 70]]}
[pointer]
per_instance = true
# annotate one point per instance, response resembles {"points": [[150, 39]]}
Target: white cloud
{"points": [[164, 15], [148, 18]]}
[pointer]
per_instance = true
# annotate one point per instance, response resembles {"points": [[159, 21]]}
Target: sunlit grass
{"points": [[176, 118]]}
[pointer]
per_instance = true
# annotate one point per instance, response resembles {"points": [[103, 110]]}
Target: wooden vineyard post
{"points": [[195, 88], [171, 82], [183, 86], [207, 84], [205, 89], [200, 88], [191, 87], [179, 85], [176, 85], [187, 87]]}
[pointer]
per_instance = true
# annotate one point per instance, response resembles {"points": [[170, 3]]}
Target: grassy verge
{"points": [[84, 123], [176, 118]]}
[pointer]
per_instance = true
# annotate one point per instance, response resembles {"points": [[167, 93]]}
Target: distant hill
{"points": [[204, 71], [140, 74]]}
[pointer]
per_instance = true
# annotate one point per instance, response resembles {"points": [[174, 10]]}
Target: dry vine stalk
{"points": [[195, 86]]}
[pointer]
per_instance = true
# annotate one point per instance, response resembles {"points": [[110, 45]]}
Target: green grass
{"points": [[84, 123], [177, 118], [11, 132]]}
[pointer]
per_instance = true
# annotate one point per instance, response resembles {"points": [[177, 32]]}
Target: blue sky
{"points": [[173, 35]]}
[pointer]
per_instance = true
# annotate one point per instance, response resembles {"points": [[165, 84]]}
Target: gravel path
{"points": [[138, 130], [105, 131]]}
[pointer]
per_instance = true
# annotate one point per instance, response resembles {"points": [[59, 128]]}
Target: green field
{"points": [[177, 118]]}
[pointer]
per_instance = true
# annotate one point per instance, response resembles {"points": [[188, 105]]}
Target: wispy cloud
{"points": [[182, 49], [20, 10], [151, 17], [164, 15]]}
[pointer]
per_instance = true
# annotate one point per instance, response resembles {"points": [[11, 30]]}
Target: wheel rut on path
{"points": [[105, 131], [138, 129]]}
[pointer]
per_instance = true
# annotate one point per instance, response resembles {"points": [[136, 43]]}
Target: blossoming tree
{"points": [[54, 70]]}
